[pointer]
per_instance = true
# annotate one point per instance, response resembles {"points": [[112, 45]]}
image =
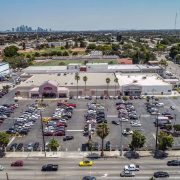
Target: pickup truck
{"points": [[131, 167], [49, 167]]}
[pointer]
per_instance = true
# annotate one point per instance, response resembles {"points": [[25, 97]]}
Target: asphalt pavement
{"points": [[69, 170]]}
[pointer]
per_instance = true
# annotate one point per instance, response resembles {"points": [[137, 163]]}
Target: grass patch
{"points": [[66, 62]]}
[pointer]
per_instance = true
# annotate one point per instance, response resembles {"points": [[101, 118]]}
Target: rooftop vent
{"points": [[144, 77], [134, 81]]}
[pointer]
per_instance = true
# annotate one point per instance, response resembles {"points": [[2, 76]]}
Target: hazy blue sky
{"points": [[90, 14]]}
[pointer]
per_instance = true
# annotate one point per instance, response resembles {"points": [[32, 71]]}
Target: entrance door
{"points": [[49, 95], [62, 95]]}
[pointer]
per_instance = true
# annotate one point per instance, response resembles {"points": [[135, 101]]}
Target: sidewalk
{"points": [[74, 155]]}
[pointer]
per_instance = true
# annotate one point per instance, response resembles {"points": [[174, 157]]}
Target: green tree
{"points": [[91, 46], [65, 53], [102, 130], [174, 51], [11, 51], [6, 88], [77, 78], [83, 44], [53, 144], [177, 58], [4, 139], [138, 140], [36, 54], [115, 47], [108, 80], [75, 53], [67, 45], [116, 83], [165, 141], [163, 63], [85, 78]]}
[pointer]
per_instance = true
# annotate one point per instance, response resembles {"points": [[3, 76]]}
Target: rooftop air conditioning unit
{"points": [[134, 81], [144, 77]]}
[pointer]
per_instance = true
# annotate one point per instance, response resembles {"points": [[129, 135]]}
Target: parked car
{"points": [[115, 122], [66, 138], [20, 146]]}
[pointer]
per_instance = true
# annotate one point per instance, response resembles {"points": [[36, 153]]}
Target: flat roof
{"points": [[94, 79], [3, 63], [140, 79], [45, 68], [124, 67]]}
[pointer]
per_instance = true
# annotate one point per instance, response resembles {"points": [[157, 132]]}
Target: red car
{"points": [[61, 124], [66, 104], [17, 163], [59, 133]]}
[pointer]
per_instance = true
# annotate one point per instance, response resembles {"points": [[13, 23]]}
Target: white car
{"points": [[131, 167], [125, 132], [160, 104], [136, 124], [1, 168], [124, 119]]}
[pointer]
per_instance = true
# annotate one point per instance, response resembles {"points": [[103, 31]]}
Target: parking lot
{"points": [[75, 125]]}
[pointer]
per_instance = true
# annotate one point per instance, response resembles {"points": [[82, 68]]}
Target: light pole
{"points": [[157, 129], [43, 134], [121, 139]]}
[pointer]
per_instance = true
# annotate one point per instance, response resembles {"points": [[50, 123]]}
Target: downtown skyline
{"points": [[78, 15]]}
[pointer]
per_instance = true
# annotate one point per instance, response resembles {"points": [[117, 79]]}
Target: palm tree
{"points": [[108, 81], [85, 80], [102, 131], [116, 81], [77, 78]]}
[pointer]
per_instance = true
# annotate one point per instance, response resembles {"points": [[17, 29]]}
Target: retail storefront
{"points": [[49, 89]]}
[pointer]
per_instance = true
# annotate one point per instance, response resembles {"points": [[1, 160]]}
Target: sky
{"points": [[90, 14]]}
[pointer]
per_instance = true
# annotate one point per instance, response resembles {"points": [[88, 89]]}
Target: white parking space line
{"points": [[12, 139], [75, 130], [154, 136], [80, 109], [112, 116]]}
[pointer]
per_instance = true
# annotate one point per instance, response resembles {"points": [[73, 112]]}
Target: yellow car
{"points": [[46, 119], [85, 163]]}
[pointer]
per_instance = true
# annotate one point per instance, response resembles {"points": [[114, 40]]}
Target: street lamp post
{"points": [[121, 139], [157, 129], [43, 134]]}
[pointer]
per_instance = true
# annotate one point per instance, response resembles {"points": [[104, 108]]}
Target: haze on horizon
{"points": [[90, 14]]}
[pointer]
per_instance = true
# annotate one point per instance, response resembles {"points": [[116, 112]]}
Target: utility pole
{"points": [[121, 139], [7, 177], [157, 129], [43, 134]]}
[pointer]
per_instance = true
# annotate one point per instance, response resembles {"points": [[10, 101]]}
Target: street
{"points": [[68, 169]]}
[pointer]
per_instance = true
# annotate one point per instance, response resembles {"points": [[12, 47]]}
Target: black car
{"points": [[35, 146], [66, 138], [173, 163], [14, 146], [115, 122], [160, 174], [88, 178], [49, 167], [108, 145], [20, 146]]}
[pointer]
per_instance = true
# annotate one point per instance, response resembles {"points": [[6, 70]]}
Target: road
{"points": [[107, 169], [174, 68]]}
